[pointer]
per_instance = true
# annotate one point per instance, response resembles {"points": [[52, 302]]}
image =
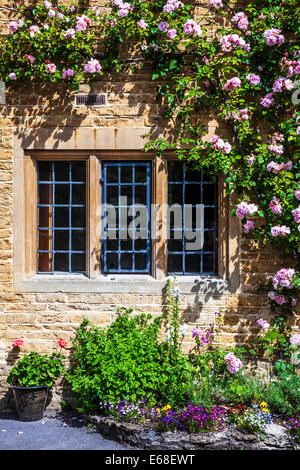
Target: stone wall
{"points": [[40, 317], [144, 437]]}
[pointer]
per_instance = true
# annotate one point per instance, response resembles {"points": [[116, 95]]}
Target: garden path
{"points": [[56, 431]]}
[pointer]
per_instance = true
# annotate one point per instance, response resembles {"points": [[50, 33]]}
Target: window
{"points": [[111, 213], [192, 222], [126, 245], [61, 217]]}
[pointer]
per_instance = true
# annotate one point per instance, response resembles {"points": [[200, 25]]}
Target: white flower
{"points": [[176, 292], [183, 330]]}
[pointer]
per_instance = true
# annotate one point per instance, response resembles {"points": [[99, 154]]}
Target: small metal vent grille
{"points": [[91, 100]]}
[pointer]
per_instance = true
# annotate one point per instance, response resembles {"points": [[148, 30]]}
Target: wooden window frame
{"points": [[93, 222], [93, 172]]}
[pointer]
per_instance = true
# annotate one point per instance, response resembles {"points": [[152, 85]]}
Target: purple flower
{"points": [[163, 26], [280, 230], [13, 26], [142, 24], [273, 36], [172, 33], [67, 73], [92, 66]]}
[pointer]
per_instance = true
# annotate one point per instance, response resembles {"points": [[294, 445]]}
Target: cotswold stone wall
{"points": [[39, 317]]}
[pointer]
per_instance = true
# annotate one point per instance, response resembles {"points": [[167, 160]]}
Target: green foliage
{"points": [[241, 389], [34, 370], [275, 341], [283, 394], [126, 361], [215, 384]]}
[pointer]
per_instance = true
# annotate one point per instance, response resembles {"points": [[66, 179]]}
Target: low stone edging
{"points": [[145, 438]]}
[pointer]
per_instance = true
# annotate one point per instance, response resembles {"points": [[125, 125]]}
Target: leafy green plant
{"points": [[283, 394], [126, 361], [274, 343], [240, 389], [34, 370]]}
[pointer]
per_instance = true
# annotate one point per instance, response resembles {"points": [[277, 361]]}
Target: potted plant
{"points": [[31, 378]]}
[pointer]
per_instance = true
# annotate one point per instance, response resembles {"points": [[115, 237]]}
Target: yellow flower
{"points": [[167, 407], [263, 404], [152, 404], [158, 410], [265, 410]]}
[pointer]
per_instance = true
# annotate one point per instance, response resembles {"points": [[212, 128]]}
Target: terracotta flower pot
{"points": [[30, 402]]}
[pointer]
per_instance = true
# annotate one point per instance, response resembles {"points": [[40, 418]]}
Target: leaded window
{"points": [[61, 216], [126, 196], [193, 196]]}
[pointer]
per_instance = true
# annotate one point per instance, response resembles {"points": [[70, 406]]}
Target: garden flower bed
{"points": [[144, 436], [138, 388]]}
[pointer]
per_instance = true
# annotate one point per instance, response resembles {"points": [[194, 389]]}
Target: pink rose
{"points": [[51, 68], [296, 215], [215, 3], [248, 226], [67, 73], [253, 79], [142, 24], [92, 66], [172, 33], [283, 278], [34, 30], [280, 299], [267, 101], [250, 160], [70, 33], [163, 26], [191, 27], [232, 84], [263, 324], [275, 207], [273, 36], [13, 26], [245, 209], [295, 339], [280, 230]]}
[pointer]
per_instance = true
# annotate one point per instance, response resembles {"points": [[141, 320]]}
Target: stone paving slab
{"points": [[56, 431]]}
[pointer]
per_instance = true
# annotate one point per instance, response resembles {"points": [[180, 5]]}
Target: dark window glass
{"points": [[78, 194], [78, 171], [126, 174], [175, 264], [62, 194], [61, 240], [61, 262], [62, 171], [45, 171]]}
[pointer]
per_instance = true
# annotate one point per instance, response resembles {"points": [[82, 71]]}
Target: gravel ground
{"points": [[56, 431]]}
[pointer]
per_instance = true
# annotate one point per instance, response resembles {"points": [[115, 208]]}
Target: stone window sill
{"points": [[122, 284]]}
